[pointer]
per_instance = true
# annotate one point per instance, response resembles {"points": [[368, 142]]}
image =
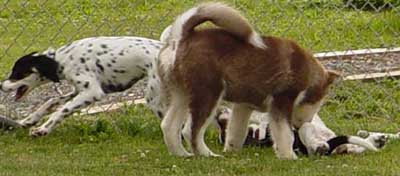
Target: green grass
{"points": [[129, 142]]}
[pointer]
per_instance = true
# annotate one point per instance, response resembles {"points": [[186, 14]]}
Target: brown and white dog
{"points": [[199, 68]]}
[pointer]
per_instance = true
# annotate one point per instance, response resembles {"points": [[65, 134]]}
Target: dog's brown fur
{"points": [[211, 62]]}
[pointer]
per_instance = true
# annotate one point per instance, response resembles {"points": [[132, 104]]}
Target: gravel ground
{"points": [[348, 65]]}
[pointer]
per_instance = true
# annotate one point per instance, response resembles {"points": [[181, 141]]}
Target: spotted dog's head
{"points": [[29, 72]]}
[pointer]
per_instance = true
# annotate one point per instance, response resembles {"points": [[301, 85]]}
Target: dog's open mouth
{"points": [[21, 92]]}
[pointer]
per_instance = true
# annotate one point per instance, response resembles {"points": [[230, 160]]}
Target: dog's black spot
{"points": [[84, 54], [150, 65], [110, 88], [96, 99], [65, 110], [87, 102], [147, 65], [87, 69], [147, 100], [103, 46], [151, 88], [77, 74], [154, 76], [109, 65], [61, 70], [119, 71], [78, 82], [113, 61], [137, 44], [99, 65], [160, 114], [89, 50], [86, 85], [82, 60], [121, 53], [147, 52], [99, 53], [113, 76], [130, 46], [158, 47], [141, 68], [111, 54], [70, 57], [138, 40], [105, 52], [78, 107], [90, 45], [143, 47]]}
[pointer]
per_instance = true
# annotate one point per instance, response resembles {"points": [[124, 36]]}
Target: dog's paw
{"points": [[378, 141], [36, 132], [321, 148], [287, 156]]}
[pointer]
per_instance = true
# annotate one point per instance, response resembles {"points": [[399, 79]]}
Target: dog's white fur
{"points": [[315, 134], [87, 64]]}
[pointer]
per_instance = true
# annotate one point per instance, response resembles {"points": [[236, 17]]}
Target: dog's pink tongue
{"points": [[20, 92]]}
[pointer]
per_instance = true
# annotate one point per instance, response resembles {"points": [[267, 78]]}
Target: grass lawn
{"points": [[129, 142]]}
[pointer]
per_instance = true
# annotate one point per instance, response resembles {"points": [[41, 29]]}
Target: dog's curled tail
{"points": [[219, 14], [339, 140]]}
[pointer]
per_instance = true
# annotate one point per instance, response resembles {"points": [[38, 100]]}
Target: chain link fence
{"points": [[320, 25]]}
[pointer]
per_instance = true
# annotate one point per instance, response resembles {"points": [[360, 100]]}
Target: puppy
{"points": [[94, 66], [199, 68], [312, 138]]}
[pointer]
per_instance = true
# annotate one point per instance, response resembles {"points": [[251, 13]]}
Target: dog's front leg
{"points": [[45, 109], [82, 100]]}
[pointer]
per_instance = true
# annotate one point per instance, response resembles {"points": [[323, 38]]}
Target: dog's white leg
{"points": [[202, 148], [172, 123], [83, 99], [187, 131], [283, 137], [43, 110], [237, 128]]}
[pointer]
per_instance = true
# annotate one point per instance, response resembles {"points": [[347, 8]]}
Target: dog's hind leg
{"points": [[187, 131], [83, 99], [172, 123], [45, 109], [202, 110], [237, 127]]}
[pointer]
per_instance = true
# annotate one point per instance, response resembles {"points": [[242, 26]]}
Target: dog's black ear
{"points": [[47, 67]]}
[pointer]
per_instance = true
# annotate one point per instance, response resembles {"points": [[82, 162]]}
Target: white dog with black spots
{"points": [[94, 66]]}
